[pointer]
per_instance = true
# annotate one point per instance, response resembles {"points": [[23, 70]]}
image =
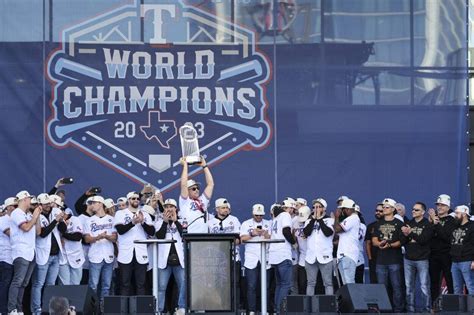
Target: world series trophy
{"points": [[189, 144]]}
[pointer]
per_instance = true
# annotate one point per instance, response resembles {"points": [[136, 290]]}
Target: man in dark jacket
{"points": [[462, 251], [416, 237], [440, 261]]}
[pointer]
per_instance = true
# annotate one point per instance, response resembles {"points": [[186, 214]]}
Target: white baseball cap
{"points": [[56, 199], [11, 201], [357, 208], [22, 195], [171, 202], [109, 203], [321, 201], [303, 213], [258, 209], [95, 199], [222, 202], [444, 199], [462, 209], [34, 200], [289, 202], [347, 203], [389, 201], [43, 198], [341, 198], [133, 194], [122, 199], [301, 201], [192, 182], [148, 209]]}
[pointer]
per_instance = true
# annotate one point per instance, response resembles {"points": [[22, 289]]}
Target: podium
{"points": [[210, 273]]}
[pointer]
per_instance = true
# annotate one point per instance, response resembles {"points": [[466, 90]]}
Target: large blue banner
{"points": [[100, 97]]}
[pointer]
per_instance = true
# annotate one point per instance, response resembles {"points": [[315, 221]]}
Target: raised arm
{"points": [[209, 179], [184, 178]]}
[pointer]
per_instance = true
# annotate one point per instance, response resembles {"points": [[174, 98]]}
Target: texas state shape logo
{"points": [[125, 81]]}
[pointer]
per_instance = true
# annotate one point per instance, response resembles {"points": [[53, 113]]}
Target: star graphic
{"points": [[164, 128]]}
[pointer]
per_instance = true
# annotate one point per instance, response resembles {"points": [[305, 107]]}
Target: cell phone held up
{"points": [[67, 180], [96, 190]]}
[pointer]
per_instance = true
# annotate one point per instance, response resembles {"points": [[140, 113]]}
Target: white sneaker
{"points": [[14, 312], [181, 311], [251, 313]]}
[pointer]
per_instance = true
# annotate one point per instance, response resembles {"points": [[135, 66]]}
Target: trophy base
{"points": [[191, 160]]}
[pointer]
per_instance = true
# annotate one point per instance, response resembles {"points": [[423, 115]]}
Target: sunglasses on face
{"points": [[416, 210], [194, 188], [258, 215], [134, 198]]}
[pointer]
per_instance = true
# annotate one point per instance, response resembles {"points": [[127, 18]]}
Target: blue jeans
{"points": [[347, 268], [164, 276], [69, 275], [253, 278], [283, 275], [43, 275], [462, 273], [392, 272], [102, 271], [6, 274], [420, 268]]}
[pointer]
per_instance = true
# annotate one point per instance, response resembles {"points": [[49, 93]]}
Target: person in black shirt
{"points": [[416, 237], [462, 251], [386, 237], [440, 261], [369, 247]]}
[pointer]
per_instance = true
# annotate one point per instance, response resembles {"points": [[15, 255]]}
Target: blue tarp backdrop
{"points": [[98, 92]]}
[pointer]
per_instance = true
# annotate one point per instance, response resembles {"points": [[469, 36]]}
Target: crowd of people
{"points": [[44, 242]]}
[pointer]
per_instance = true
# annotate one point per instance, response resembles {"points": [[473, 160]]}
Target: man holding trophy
{"points": [[192, 204]]}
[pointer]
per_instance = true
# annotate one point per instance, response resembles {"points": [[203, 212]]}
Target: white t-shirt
{"points": [[362, 230], [229, 225], [22, 242], [164, 249], [252, 251], [73, 250], [126, 245], [279, 252], [101, 250], [85, 247], [5, 247], [320, 246], [192, 216], [302, 241], [349, 239]]}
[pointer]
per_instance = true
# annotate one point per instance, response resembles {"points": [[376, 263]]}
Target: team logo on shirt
{"points": [[125, 81]]}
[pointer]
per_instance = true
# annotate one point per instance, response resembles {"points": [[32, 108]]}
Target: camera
{"points": [[259, 227], [67, 180]]}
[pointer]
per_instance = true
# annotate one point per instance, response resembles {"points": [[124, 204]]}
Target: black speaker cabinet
{"points": [[142, 304], [81, 297], [323, 304], [116, 305], [452, 303], [363, 298], [296, 304]]}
